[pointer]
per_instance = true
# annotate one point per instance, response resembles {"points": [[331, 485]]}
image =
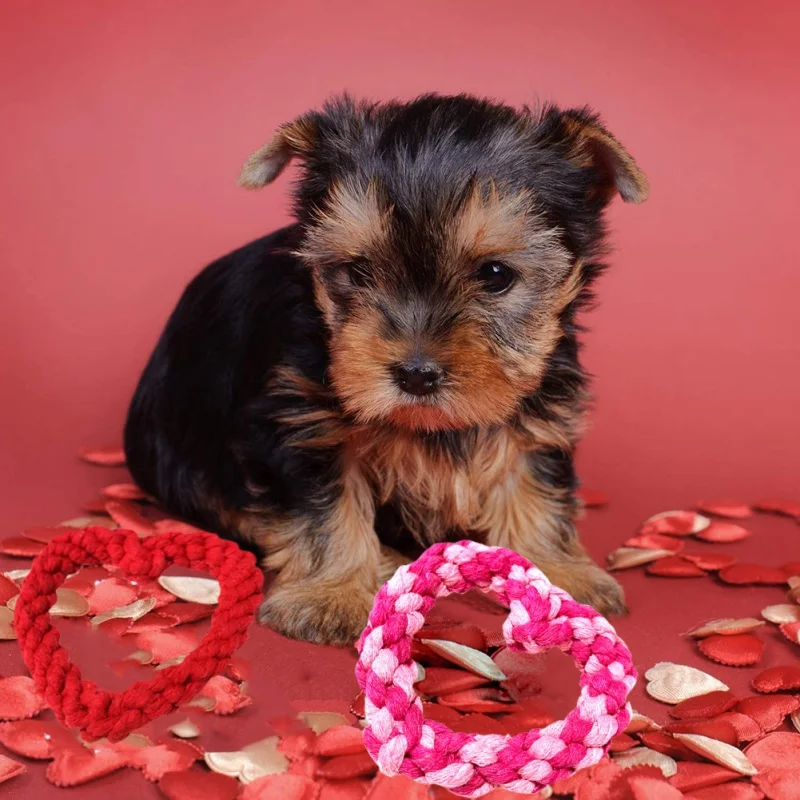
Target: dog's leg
{"points": [[327, 567], [534, 513]]}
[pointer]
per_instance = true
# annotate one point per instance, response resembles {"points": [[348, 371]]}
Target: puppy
{"points": [[400, 365]]}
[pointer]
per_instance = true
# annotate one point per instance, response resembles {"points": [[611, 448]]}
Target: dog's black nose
{"points": [[418, 377]]}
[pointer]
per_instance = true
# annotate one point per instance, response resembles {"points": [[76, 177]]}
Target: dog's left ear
{"points": [[293, 140], [589, 144]]}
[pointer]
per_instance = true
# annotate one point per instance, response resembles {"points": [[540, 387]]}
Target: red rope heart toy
{"points": [[541, 615], [84, 705]]}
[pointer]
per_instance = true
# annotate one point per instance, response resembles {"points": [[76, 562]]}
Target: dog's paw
{"points": [[591, 585], [322, 613]]}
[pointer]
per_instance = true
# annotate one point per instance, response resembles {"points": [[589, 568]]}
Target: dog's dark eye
{"points": [[495, 276], [358, 273]]}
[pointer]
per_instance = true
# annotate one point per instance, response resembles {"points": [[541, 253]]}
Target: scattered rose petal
{"points": [[152, 623], [19, 698], [724, 627], [641, 723], [356, 765], [745, 726], [487, 700], [692, 775], [6, 623], [738, 650], [752, 574], [97, 505], [111, 593], [643, 787], [726, 509], [320, 721], [621, 743], [283, 786], [656, 541], [158, 760], [444, 714], [88, 522], [781, 613], [594, 499], [8, 589], [467, 657], [194, 590], [150, 588], [644, 755], [17, 575], [712, 728], [186, 729], [166, 645], [176, 526], [9, 768], [191, 785], [778, 679], [532, 713], [20, 547], [132, 611], [672, 683], [102, 456], [728, 791], [704, 706], [384, 788], [665, 743], [711, 562], [31, 738], [127, 515], [353, 789], [483, 724], [722, 531], [676, 523], [776, 505], [627, 557], [779, 784], [341, 740], [443, 680], [182, 613], [124, 491], [775, 751], [69, 603], [78, 765], [142, 657], [795, 719], [467, 635], [674, 567], [226, 694], [45, 535], [720, 753], [769, 712], [791, 630]]}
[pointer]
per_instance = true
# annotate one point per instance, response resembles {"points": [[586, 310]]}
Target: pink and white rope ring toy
{"points": [[541, 616]]}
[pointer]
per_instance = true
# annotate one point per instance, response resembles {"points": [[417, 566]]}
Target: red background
{"points": [[124, 126]]}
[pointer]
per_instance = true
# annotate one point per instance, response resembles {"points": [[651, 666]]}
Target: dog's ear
{"points": [[294, 139], [589, 144]]}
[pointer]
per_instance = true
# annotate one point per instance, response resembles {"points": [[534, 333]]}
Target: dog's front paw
{"points": [[322, 613]]}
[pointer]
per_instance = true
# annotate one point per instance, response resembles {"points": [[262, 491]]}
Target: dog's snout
{"points": [[418, 377]]}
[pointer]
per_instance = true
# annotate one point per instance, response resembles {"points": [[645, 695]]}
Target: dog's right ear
{"points": [[292, 140]]}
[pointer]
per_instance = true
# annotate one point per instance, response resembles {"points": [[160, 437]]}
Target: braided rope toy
{"points": [[82, 704], [541, 616]]}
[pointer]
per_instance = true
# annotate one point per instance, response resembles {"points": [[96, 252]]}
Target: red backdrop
{"points": [[124, 125]]}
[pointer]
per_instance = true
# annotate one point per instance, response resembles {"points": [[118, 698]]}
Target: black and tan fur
{"points": [[270, 409]]}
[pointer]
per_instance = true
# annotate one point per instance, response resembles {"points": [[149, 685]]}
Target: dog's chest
{"points": [[435, 490]]}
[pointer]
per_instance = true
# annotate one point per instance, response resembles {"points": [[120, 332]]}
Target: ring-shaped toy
{"points": [[541, 616], [82, 704]]}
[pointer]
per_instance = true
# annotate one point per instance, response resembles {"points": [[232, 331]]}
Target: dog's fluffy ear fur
{"points": [[589, 144], [294, 139]]}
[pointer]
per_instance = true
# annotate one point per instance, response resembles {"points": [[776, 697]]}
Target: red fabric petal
{"points": [[227, 695], [46, 534], [441, 680], [674, 567], [591, 498], [111, 593], [78, 765], [356, 765], [779, 784], [791, 630], [19, 698], [480, 723], [191, 785], [778, 679], [103, 456], [599, 780], [664, 743], [728, 791], [769, 712], [158, 760], [183, 613], [726, 509], [752, 574], [776, 751], [722, 531], [32, 738], [713, 728], [9, 768], [8, 589], [397, 788], [468, 635], [20, 547], [656, 541], [622, 742], [355, 789], [285, 787], [676, 523], [124, 491], [698, 775], [487, 700], [739, 650], [777, 505], [166, 645], [340, 740], [652, 789], [745, 726], [704, 706], [127, 516], [712, 562]]}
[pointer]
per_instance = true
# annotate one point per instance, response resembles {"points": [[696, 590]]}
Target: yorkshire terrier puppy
{"points": [[400, 365]]}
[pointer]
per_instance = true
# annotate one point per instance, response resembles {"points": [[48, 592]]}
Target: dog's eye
{"points": [[495, 277], [358, 273]]}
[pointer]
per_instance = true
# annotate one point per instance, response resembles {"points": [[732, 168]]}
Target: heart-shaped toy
{"points": [[81, 704]]}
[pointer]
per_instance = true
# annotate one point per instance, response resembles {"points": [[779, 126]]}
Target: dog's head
{"points": [[447, 237]]}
